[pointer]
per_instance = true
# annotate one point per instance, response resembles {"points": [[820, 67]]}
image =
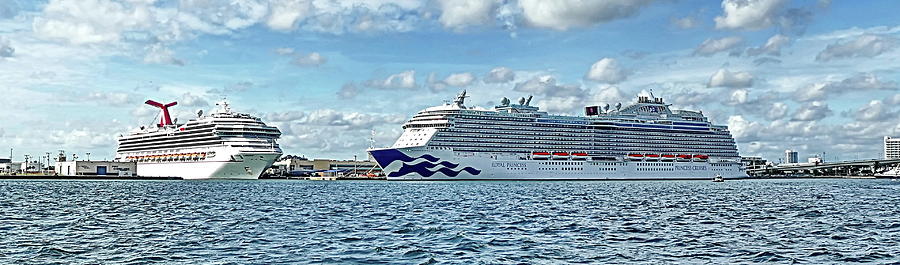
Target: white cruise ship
{"points": [[221, 145], [646, 140]]}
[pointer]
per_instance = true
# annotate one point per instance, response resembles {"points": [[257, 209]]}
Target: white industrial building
{"points": [[891, 147], [95, 168]]}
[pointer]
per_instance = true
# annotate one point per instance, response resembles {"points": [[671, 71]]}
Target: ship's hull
{"points": [[434, 164], [249, 166]]}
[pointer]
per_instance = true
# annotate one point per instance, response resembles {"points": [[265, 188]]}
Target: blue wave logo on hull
{"points": [[388, 156], [423, 170]]}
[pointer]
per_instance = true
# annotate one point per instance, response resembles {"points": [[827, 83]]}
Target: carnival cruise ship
{"points": [[221, 145], [646, 140]]}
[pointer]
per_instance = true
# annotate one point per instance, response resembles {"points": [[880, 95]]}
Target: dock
{"points": [[82, 177]]}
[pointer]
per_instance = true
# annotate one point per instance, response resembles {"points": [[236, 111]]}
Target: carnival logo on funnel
{"points": [[432, 165]]}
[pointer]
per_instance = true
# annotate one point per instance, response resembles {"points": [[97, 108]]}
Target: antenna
{"points": [[166, 119], [461, 99], [372, 140]]}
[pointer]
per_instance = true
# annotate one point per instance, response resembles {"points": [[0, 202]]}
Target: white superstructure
{"points": [[221, 145], [646, 140]]}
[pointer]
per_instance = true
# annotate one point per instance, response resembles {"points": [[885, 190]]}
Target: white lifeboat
{"points": [[579, 156], [667, 157], [560, 156], [701, 158], [540, 155], [635, 157]]}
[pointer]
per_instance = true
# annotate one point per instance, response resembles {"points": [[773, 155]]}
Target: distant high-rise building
{"points": [[790, 156], [891, 147]]}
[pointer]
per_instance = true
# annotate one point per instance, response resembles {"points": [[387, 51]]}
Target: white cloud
{"points": [[546, 85], [191, 100], [6, 50], [859, 82], [743, 129], [685, 22], [606, 70], [159, 54], [311, 59], [91, 21], [725, 78], [460, 79], [777, 111], [110, 98], [500, 75], [459, 14], [812, 111], [765, 60], [875, 110], [713, 46], [863, 46], [331, 117], [348, 91], [284, 51], [454, 80], [749, 14], [284, 15], [403, 80], [565, 14], [772, 47]]}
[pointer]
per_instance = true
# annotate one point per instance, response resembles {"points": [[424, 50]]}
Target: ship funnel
{"points": [[165, 119]]}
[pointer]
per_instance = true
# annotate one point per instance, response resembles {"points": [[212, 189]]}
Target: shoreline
{"points": [[53, 177]]}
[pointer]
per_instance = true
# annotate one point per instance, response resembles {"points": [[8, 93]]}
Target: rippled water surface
{"points": [[264, 222]]}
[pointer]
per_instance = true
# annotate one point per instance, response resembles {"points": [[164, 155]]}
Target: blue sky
{"points": [[816, 76]]}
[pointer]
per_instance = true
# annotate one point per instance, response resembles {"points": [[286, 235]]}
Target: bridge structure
{"points": [[867, 167]]}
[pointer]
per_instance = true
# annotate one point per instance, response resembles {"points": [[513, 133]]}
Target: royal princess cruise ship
{"points": [[646, 140], [221, 145]]}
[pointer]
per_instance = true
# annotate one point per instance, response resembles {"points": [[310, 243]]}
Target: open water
{"points": [[274, 222]]}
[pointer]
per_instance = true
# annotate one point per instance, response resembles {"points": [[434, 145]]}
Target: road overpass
{"points": [[867, 167]]}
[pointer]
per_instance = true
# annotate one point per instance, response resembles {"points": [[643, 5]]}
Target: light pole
{"points": [[355, 173], [88, 156], [25, 169]]}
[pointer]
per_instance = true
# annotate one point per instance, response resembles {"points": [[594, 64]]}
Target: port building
{"points": [[96, 168], [303, 166]]}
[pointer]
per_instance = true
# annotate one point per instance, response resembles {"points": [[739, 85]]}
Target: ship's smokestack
{"points": [[165, 119]]}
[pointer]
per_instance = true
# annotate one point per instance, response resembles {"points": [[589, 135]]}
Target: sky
{"points": [[819, 77]]}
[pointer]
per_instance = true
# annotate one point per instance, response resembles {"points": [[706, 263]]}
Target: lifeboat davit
{"points": [[683, 158], [540, 155], [635, 157], [560, 156], [668, 157], [651, 157], [701, 157], [579, 156]]}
